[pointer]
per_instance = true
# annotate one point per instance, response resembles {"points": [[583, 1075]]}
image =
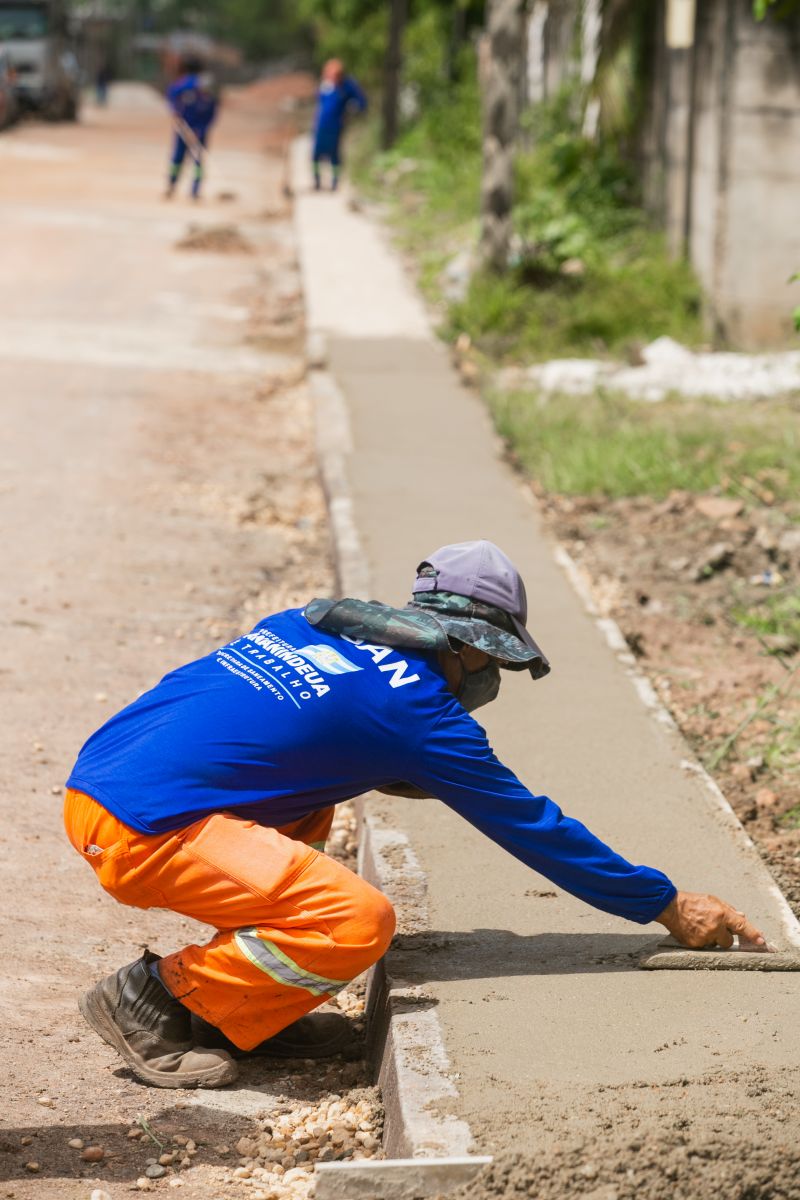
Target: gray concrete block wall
{"points": [[739, 208]]}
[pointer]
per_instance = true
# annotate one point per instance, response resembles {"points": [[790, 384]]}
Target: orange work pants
{"points": [[294, 926]]}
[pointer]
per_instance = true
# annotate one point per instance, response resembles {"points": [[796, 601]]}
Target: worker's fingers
{"points": [[723, 938], [738, 923]]}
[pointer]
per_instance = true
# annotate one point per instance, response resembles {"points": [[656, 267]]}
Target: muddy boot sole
{"points": [[95, 1012]]}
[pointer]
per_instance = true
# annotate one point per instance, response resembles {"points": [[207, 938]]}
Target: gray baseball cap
{"points": [[477, 594]]}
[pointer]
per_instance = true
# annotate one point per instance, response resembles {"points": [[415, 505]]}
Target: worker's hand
{"points": [[698, 921]]}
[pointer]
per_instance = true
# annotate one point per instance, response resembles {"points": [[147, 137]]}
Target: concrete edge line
{"points": [[403, 1035], [404, 1031], [647, 694], [333, 445], [393, 1179]]}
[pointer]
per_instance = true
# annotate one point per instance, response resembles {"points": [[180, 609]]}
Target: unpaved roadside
{"points": [[158, 492], [694, 582]]}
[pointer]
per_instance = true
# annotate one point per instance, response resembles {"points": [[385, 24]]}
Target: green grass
{"points": [[575, 209], [774, 616], [612, 446]]}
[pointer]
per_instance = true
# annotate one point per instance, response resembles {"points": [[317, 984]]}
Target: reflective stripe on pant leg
{"points": [[265, 955]]}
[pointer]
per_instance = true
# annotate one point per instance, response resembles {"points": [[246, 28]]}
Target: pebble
{"points": [[33, 1167], [155, 1171], [100, 1194], [136, 1132], [46, 1101], [93, 1154], [144, 1184], [167, 1160], [76, 1143], [26, 1141]]}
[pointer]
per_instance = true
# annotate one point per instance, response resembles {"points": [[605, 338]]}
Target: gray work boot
{"points": [[319, 1035], [134, 1013]]}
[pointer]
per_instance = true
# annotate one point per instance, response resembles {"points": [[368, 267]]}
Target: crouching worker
{"points": [[212, 795]]}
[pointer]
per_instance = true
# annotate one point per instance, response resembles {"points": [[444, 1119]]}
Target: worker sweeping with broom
{"points": [[193, 104], [212, 794]]}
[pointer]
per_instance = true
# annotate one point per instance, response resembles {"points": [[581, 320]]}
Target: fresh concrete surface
{"points": [[539, 998]]}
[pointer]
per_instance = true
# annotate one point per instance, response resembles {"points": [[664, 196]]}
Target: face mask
{"points": [[478, 687]]}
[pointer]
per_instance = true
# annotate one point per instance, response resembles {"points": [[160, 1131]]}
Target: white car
{"points": [[35, 36]]}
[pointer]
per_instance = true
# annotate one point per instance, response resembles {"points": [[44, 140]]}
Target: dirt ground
{"points": [[159, 492], [677, 575]]}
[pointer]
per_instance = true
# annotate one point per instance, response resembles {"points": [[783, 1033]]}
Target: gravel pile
{"points": [[281, 1158]]}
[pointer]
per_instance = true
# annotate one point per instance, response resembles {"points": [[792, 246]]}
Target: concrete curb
{"points": [[405, 1038]]}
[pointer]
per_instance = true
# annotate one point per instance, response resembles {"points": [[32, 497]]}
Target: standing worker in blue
{"points": [[337, 93], [193, 103], [213, 793]]}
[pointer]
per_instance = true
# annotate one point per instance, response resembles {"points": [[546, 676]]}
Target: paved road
{"points": [[145, 513], [550, 1030]]}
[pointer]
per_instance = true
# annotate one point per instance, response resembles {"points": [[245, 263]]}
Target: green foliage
{"points": [[588, 275], [775, 615], [262, 29], [352, 30], [609, 445], [777, 8]]}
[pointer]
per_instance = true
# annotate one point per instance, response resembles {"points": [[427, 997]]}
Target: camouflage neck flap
{"points": [[432, 621]]}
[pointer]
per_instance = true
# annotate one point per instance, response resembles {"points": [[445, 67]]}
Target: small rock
{"points": [[93, 1154], [33, 1167], [780, 643], [588, 1170], [718, 508], [143, 1184], [100, 697], [46, 1101], [76, 1143], [221, 1149], [155, 1172], [26, 1141], [136, 1132], [789, 542], [665, 351], [715, 559], [166, 1159], [100, 1194]]}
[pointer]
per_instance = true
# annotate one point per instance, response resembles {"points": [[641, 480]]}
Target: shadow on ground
{"points": [[497, 953]]}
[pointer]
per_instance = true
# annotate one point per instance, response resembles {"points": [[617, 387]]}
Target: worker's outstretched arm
{"points": [[457, 765]]}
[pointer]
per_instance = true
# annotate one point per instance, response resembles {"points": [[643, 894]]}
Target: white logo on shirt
{"points": [[328, 659]]}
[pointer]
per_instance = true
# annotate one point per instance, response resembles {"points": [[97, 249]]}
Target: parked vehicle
{"points": [[8, 96], [35, 36]]}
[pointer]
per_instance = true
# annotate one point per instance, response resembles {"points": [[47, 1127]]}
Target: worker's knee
{"points": [[364, 936]]}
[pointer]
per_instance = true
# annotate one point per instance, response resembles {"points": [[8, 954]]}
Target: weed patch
{"points": [[612, 446]]}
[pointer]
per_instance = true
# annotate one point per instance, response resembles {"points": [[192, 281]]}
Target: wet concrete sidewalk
{"points": [[549, 1028]]}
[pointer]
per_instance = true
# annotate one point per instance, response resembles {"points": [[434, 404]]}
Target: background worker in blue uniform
{"points": [[212, 794], [338, 93], [193, 103]]}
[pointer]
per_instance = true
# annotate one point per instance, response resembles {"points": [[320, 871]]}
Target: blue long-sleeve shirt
{"points": [[190, 99], [288, 719], [333, 101]]}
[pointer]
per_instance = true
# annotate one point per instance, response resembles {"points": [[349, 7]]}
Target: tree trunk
{"points": [[398, 12], [500, 68]]}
